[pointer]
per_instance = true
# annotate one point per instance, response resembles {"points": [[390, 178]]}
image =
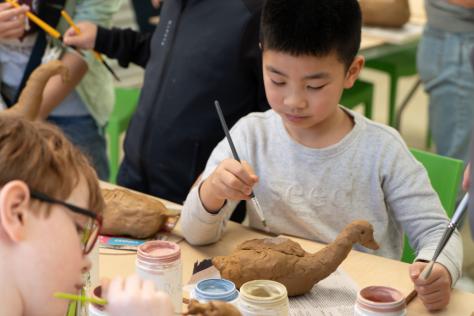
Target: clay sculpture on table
{"points": [[31, 97], [284, 261], [385, 13], [129, 213], [213, 308]]}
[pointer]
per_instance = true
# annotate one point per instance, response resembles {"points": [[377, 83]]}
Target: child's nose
{"points": [[295, 102]]}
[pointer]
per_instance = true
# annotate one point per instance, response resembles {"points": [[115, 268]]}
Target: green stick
{"points": [[83, 299]]}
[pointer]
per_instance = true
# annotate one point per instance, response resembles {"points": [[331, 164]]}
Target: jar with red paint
{"points": [[380, 301], [160, 262]]}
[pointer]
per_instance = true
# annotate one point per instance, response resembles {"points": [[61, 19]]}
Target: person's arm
{"points": [[469, 4], [126, 45], [417, 208], [56, 90], [466, 181], [203, 225]]}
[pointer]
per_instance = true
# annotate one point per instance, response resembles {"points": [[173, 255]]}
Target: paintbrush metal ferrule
{"points": [[458, 215], [258, 208]]}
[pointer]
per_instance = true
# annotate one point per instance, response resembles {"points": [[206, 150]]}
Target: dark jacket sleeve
{"points": [[252, 54], [125, 45]]}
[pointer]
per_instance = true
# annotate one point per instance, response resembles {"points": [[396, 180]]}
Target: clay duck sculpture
{"points": [[129, 213], [284, 261], [29, 102]]}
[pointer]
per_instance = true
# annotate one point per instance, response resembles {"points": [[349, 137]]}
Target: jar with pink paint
{"points": [[380, 301], [160, 262]]}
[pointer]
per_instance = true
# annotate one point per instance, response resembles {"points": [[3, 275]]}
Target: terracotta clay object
{"points": [[284, 261], [213, 308], [129, 213], [385, 13], [31, 97]]}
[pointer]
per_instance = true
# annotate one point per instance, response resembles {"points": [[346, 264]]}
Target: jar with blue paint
{"points": [[215, 290]]}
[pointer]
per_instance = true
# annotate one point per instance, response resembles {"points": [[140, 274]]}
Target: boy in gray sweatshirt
{"points": [[321, 166]]}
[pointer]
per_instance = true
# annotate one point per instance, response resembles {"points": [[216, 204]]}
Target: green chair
{"points": [[361, 93], [126, 100], [396, 64], [445, 176]]}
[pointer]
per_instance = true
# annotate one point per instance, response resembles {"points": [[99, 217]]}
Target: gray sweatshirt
{"points": [[449, 17], [314, 193]]}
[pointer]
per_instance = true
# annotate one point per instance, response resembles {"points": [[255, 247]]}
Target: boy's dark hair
{"points": [[312, 27]]}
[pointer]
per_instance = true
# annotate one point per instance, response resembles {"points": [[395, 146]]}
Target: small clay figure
{"points": [[284, 261], [213, 308], [129, 213], [31, 97], [385, 13]]}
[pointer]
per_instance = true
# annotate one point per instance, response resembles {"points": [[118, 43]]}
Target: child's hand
{"points": [[231, 180], [84, 40], [466, 181], [436, 290], [155, 3], [133, 296], [12, 21]]}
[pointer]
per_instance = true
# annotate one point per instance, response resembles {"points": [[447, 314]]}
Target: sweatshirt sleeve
{"points": [[125, 45], [199, 226], [417, 208]]}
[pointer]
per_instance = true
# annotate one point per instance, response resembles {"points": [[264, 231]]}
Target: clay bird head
{"points": [[363, 234]]}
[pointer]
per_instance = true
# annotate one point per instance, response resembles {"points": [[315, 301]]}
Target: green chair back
{"points": [[126, 100], [361, 93], [396, 65], [445, 176]]}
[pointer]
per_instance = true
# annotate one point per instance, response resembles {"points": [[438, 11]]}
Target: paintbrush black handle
{"points": [[226, 130]]}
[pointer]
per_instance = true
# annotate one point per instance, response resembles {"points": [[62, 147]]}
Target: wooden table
{"points": [[365, 269]]}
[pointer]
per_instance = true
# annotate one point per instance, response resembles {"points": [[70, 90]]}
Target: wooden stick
{"points": [[411, 296]]}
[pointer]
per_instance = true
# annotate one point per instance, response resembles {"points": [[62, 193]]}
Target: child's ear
{"points": [[353, 72], [14, 209]]}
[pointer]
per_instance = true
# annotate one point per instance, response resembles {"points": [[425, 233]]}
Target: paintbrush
{"points": [[45, 27], [458, 215], [258, 208], [97, 56], [80, 298]]}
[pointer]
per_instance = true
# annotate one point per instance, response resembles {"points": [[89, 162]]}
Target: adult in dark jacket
{"points": [[201, 51]]}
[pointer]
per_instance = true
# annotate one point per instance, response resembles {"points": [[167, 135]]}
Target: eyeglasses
{"points": [[90, 232]]}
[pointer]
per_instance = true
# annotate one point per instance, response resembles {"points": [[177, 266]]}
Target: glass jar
{"points": [[95, 309], [215, 290], [263, 297], [160, 262], [380, 301]]}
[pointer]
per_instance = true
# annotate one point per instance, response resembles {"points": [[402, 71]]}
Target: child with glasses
{"points": [[50, 205]]}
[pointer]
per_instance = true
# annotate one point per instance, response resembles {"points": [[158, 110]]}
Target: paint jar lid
{"points": [[216, 290], [264, 292], [158, 251], [381, 299]]}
